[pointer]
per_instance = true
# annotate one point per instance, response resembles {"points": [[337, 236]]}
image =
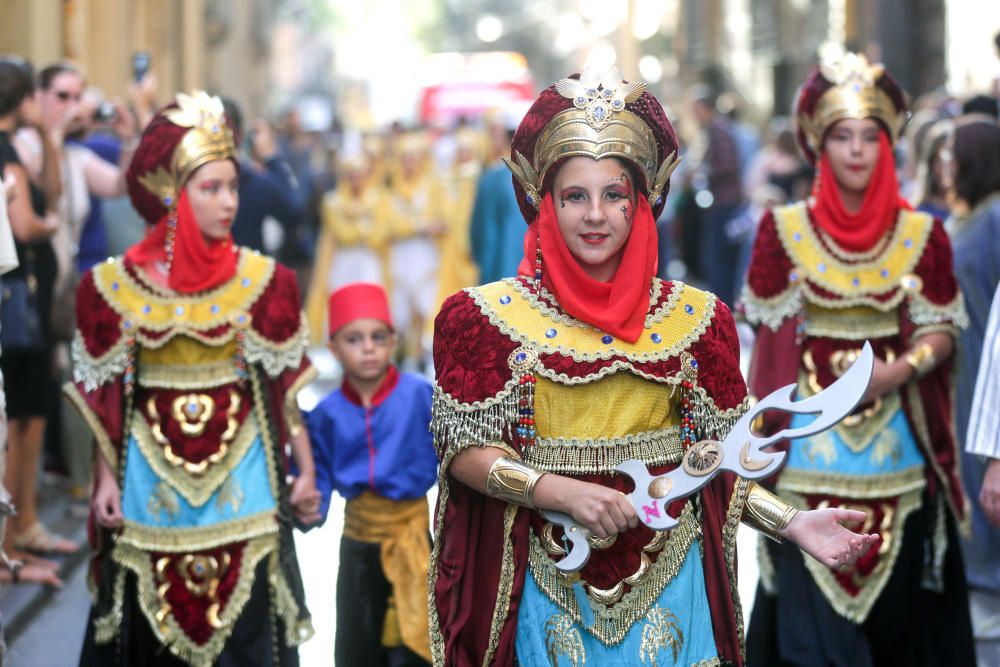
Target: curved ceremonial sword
{"points": [[740, 452]]}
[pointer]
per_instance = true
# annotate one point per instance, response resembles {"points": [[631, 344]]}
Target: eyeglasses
{"points": [[65, 96]]}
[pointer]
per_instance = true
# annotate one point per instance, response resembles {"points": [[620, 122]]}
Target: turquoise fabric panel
{"points": [[248, 480], [891, 450], [544, 630]]}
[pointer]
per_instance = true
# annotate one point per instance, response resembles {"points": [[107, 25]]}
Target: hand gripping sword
{"points": [[740, 452]]}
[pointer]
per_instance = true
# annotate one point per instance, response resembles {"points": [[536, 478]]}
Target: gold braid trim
{"points": [[860, 299], [174, 638], [92, 372], [602, 455], [856, 608], [459, 425], [852, 486], [297, 629], [612, 622], [106, 627], [505, 587], [852, 323], [199, 538], [924, 312], [774, 310], [76, 399], [197, 490], [293, 416], [733, 515], [545, 302]]}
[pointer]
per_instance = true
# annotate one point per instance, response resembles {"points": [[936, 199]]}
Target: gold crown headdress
{"points": [[208, 138], [855, 94], [598, 125]]}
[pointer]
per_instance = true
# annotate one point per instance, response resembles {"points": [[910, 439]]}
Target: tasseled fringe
{"points": [[603, 456], [458, 425]]}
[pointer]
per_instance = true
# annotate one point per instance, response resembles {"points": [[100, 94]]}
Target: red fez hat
{"points": [[596, 114], [357, 301]]}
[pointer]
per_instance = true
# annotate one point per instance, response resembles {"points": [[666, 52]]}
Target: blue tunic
{"points": [[386, 449]]}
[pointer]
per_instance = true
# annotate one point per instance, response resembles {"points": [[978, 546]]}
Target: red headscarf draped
{"points": [[861, 230], [618, 307], [198, 264]]}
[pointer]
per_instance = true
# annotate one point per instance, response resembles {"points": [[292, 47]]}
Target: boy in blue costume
{"points": [[371, 443]]}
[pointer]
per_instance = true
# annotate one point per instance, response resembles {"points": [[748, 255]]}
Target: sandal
{"points": [[39, 540], [29, 573]]}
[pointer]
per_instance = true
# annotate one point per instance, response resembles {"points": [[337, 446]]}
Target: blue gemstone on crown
{"points": [[599, 113]]}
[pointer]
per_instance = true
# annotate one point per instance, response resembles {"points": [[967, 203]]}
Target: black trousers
{"points": [[252, 641], [362, 599], [908, 624]]}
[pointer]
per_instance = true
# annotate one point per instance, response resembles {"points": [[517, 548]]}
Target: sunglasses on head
{"points": [[66, 96]]}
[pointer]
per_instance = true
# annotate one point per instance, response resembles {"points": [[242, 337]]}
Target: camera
{"points": [[105, 113]]}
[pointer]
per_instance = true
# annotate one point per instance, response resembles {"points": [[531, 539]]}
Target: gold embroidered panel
{"points": [[613, 621], [520, 316], [852, 486], [603, 455], [144, 306], [874, 275], [850, 323]]}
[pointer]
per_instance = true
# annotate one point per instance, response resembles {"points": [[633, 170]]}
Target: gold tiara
{"points": [[597, 126], [208, 138], [855, 94]]}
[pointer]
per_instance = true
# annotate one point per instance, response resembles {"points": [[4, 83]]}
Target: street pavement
{"points": [[53, 638]]}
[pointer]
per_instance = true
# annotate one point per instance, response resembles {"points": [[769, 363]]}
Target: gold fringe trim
{"points": [[199, 538], [106, 627], [277, 357], [462, 424], [612, 622], [852, 486], [179, 376], [734, 515], [297, 630], [91, 371], [175, 639], [76, 399], [771, 311], [923, 311], [505, 587], [856, 608], [602, 455], [851, 323], [196, 490]]}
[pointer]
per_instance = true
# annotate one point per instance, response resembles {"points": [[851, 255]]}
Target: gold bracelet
{"points": [[513, 481], [767, 513], [921, 358]]}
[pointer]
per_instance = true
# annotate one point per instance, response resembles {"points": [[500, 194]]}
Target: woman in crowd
{"points": [[189, 354], [27, 349], [547, 381], [855, 263]]}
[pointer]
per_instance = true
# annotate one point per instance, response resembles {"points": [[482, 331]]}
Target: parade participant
{"points": [[372, 445], [352, 242], [417, 220], [457, 268], [854, 263], [547, 381], [189, 354]]}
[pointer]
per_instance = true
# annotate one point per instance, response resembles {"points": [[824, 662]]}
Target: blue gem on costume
{"points": [[215, 308], [607, 340], [551, 333], [505, 299], [146, 309], [520, 357], [617, 105], [127, 324], [822, 267], [114, 286], [793, 276], [885, 273], [856, 281], [797, 236], [689, 309], [538, 275], [245, 282], [694, 363], [908, 243], [599, 113], [179, 310], [656, 338], [242, 319], [168, 200]]}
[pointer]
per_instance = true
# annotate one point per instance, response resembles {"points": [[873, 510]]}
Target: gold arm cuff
{"points": [[922, 359], [766, 512], [513, 481]]}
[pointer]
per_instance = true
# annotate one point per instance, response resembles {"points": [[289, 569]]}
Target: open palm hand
{"points": [[820, 534]]}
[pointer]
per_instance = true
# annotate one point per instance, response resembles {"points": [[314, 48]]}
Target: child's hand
{"points": [[305, 499]]}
